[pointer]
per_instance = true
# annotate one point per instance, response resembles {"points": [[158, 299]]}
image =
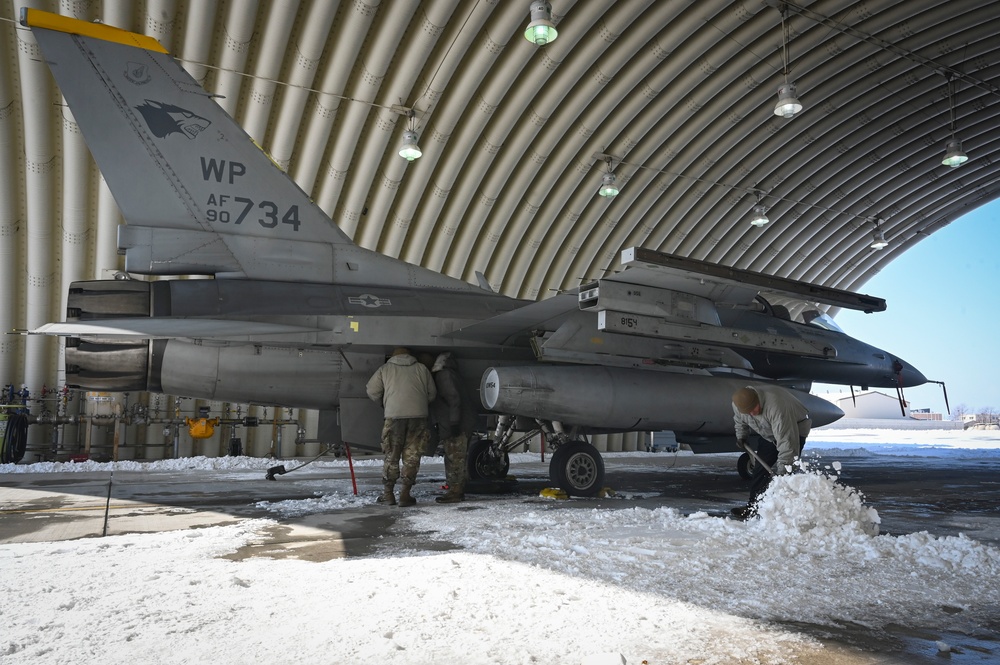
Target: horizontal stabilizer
{"points": [[168, 328]]}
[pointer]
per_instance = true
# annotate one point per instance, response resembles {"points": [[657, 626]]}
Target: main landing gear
{"points": [[486, 461], [576, 467], [745, 466]]}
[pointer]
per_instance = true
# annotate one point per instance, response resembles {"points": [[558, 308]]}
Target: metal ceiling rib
{"points": [[679, 92]]}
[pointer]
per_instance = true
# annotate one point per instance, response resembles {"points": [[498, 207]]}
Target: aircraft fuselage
{"points": [[848, 362]]}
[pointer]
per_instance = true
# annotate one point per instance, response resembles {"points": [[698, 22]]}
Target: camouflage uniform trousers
{"points": [[456, 453], [403, 439]]}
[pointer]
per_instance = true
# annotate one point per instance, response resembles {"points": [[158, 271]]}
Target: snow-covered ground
{"points": [[912, 443], [529, 581]]}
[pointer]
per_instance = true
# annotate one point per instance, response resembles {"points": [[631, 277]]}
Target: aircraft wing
{"points": [[725, 285], [665, 297], [677, 299]]}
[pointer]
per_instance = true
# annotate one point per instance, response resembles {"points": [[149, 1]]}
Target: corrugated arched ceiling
{"points": [[679, 94]]}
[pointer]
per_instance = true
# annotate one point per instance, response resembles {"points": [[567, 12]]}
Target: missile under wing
{"points": [[295, 314]]}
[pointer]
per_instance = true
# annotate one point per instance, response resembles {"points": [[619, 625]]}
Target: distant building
{"points": [[870, 409], [870, 404], [925, 414]]}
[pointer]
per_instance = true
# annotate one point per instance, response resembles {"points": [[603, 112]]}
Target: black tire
{"points": [[745, 466], [485, 462], [577, 468], [15, 439]]}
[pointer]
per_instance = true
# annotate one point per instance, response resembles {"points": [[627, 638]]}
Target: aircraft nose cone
{"points": [[908, 375]]}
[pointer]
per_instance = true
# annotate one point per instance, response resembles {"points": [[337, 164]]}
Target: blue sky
{"points": [[943, 312]]}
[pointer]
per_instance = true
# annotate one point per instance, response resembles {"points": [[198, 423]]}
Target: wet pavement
{"points": [[944, 497]]}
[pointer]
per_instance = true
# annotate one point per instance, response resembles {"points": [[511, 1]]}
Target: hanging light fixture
{"points": [[410, 150], [953, 155], [609, 188], [609, 184], [759, 212], [788, 104], [878, 238], [541, 30]]}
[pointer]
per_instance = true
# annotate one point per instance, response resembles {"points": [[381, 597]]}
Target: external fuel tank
{"points": [[613, 398]]}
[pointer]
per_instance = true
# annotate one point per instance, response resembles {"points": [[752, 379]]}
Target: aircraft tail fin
{"points": [[199, 196]]}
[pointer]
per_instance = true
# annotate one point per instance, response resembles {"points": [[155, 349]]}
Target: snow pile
{"points": [[323, 503], [958, 555], [814, 536], [236, 463], [813, 504]]}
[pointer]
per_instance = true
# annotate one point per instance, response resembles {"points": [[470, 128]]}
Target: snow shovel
{"points": [[754, 455]]}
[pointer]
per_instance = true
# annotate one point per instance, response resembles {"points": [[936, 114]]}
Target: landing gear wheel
{"points": [[577, 468], [745, 466], [487, 462]]}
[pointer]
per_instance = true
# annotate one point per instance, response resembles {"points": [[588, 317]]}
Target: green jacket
{"points": [[403, 387]]}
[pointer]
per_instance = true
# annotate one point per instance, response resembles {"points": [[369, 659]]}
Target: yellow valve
{"points": [[201, 428]]}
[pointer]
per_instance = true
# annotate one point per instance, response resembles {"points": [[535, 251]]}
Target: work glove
{"points": [[779, 468], [742, 444]]}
